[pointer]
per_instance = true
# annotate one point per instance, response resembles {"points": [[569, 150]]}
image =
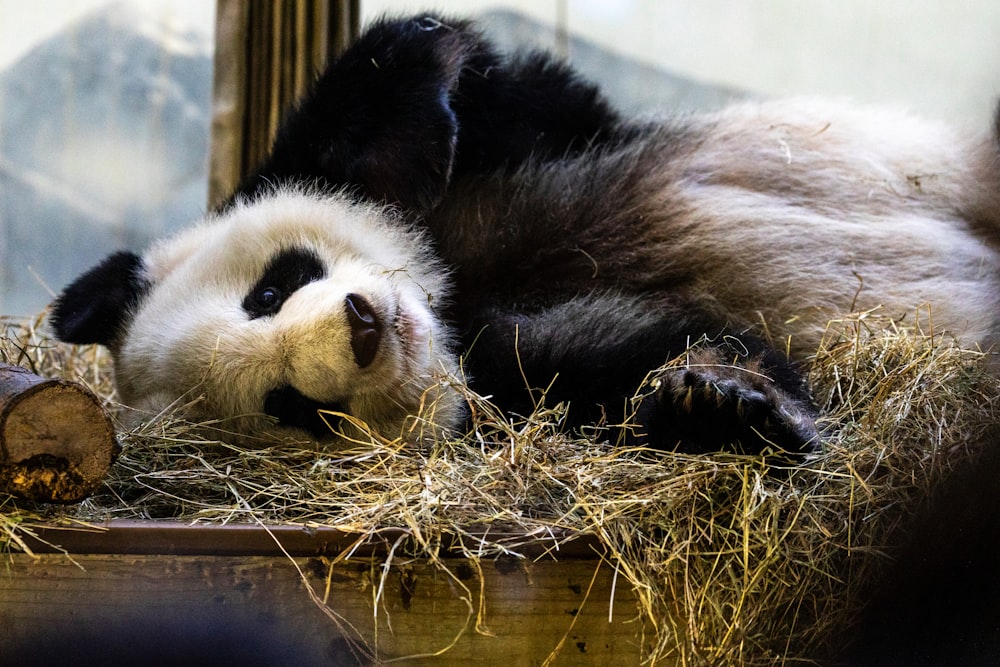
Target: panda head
{"points": [[277, 308]]}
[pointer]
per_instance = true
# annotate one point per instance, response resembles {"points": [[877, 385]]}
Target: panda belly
{"points": [[807, 211], [929, 273]]}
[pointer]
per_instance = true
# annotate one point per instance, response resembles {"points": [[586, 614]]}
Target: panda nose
{"points": [[365, 329]]}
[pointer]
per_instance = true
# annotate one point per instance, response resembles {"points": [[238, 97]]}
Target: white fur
{"points": [[190, 337], [796, 212]]}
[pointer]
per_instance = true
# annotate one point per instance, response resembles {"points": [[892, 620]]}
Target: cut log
{"points": [[56, 440]]}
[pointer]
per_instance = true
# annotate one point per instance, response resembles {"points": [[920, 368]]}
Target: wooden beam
{"points": [[371, 607], [266, 55], [174, 538]]}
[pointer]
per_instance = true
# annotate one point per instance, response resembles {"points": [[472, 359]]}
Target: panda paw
{"points": [[715, 407]]}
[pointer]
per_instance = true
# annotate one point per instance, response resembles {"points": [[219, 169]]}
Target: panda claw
{"points": [[711, 409]]}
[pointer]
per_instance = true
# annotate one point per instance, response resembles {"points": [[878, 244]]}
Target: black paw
{"points": [[379, 119], [717, 407]]}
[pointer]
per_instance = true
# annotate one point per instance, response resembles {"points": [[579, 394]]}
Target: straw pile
{"points": [[735, 560]]}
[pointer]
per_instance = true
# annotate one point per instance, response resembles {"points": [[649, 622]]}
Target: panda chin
{"points": [[292, 409]]}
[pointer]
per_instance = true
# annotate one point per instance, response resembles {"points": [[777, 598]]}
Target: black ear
{"points": [[95, 307], [379, 119]]}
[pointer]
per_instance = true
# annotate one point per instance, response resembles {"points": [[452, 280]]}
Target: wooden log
{"points": [[56, 440]]}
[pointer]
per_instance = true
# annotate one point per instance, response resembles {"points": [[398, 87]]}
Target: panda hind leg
{"points": [[711, 404]]}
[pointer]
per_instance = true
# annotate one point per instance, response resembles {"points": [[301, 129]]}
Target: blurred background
{"points": [[106, 107]]}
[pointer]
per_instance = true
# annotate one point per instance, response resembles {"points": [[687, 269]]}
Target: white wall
{"points": [[25, 24], [939, 58]]}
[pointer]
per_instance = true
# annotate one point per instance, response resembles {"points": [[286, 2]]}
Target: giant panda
{"points": [[434, 211]]}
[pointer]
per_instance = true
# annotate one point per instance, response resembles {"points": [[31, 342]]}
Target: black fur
{"points": [[285, 273], [96, 307], [289, 406], [594, 352], [533, 192], [414, 103]]}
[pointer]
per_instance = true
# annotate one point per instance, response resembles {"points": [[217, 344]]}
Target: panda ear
{"points": [[379, 119], [95, 307]]}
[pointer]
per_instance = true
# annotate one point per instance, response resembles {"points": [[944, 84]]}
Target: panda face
{"points": [[290, 304]]}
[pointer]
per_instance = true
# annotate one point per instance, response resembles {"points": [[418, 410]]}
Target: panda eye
{"points": [[268, 298], [263, 301], [286, 272]]}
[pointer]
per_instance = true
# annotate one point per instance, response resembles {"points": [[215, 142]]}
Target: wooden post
{"points": [[266, 56], [56, 441]]}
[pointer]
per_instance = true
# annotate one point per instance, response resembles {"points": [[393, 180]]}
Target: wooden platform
{"points": [[156, 593]]}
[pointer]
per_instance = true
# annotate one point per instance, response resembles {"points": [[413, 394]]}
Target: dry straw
{"points": [[734, 559]]}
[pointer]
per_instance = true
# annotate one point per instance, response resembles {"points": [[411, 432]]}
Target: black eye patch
{"points": [[287, 271]]}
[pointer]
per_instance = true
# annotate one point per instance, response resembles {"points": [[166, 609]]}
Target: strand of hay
{"points": [[734, 560]]}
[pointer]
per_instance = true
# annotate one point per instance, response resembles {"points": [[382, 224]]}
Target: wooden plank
{"points": [[174, 538], [125, 536], [257, 610]]}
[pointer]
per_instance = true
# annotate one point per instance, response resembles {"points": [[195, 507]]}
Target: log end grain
{"points": [[56, 442]]}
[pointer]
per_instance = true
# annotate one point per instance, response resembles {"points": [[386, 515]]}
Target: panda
{"points": [[433, 210]]}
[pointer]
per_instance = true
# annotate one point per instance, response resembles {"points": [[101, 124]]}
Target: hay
{"points": [[734, 560]]}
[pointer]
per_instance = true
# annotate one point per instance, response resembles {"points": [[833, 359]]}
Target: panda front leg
{"points": [[733, 393]]}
